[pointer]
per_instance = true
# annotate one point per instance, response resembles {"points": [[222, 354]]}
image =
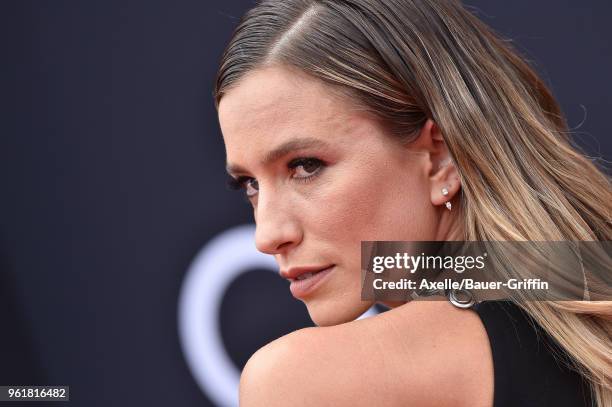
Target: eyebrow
{"points": [[282, 150]]}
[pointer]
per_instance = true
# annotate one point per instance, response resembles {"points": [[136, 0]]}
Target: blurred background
{"points": [[127, 268]]}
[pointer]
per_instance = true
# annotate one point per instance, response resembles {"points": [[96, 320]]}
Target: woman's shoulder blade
{"points": [[423, 354]]}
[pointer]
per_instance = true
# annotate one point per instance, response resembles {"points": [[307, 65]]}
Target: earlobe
{"points": [[444, 191], [445, 182]]}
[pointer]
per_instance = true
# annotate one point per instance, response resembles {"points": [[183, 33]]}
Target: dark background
{"points": [[112, 176]]}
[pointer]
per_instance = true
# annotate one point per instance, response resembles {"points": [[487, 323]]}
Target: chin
{"points": [[332, 313]]}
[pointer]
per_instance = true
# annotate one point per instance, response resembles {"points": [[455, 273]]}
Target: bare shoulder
{"points": [[425, 353]]}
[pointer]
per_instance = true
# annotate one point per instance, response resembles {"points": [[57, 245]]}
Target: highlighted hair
{"points": [[409, 60]]}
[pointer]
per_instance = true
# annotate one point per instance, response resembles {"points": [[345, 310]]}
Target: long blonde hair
{"points": [[409, 60]]}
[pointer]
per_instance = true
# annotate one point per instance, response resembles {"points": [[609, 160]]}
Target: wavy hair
{"points": [[406, 61]]}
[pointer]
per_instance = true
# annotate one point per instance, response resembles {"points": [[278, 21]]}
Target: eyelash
{"points": [[240, 182]]}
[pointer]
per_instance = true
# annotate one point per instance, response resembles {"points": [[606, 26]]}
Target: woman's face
{"points": [[322, 176]]}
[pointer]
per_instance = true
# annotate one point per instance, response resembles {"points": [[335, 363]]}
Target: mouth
{"points": [[307, 281], [307, 275], [303, 272]]}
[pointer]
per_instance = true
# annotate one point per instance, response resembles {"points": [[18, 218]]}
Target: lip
{"points": [[294, 272], [302, 288]]}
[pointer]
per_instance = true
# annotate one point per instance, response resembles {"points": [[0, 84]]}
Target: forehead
{"points": [[271, 105]]}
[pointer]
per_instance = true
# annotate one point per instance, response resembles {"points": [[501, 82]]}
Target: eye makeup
{"points": [[312, 166]]}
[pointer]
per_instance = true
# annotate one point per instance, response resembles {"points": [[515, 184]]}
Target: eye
{"points": [[305, 167], [303, 170], [250, 185]]}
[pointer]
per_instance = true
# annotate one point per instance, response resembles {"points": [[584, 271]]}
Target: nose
{"points": [[277, 227]]}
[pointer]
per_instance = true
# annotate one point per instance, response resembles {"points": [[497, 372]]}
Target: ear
{"points": [[443, 175]]}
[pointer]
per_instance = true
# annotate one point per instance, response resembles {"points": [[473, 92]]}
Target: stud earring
{"points": [[447, 203]]}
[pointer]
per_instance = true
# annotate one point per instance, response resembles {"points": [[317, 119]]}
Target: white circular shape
{"points": [[216, 265], [224, 258]]}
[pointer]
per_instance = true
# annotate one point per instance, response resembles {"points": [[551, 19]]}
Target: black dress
{"points": [[526, 370]]}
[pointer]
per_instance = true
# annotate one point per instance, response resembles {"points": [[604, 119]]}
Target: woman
{"points": [[347, 121]]}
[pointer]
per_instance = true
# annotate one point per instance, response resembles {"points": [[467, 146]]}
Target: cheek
{"points": [[376, 205]]}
